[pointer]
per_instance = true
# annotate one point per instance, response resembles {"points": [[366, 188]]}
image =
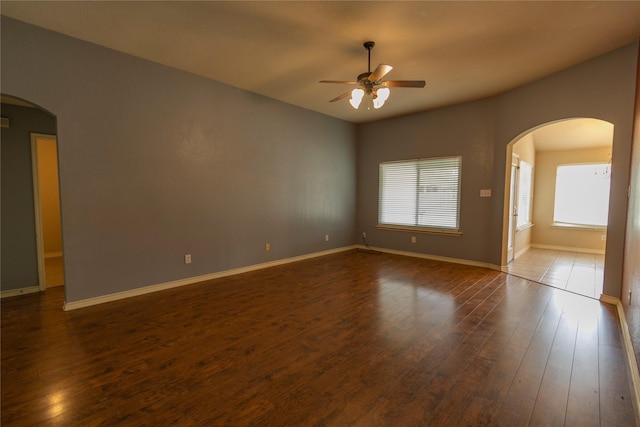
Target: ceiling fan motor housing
{"points": [[363, 76], [366, 84]]}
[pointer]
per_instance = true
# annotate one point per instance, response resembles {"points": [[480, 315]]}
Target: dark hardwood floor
{"points": [[351, 339]]}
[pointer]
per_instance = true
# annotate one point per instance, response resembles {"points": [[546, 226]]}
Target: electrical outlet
{"points": [[267, 247], [413, 239], [603, 237], [364, 235], [187, 259], [326, 237]]}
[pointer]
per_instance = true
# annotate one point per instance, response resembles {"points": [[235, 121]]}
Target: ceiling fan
{"points": [[371, 83]]}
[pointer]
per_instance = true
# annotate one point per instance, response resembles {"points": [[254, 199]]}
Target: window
{"points": [[421, 193], [525, 194], [582, 195]]}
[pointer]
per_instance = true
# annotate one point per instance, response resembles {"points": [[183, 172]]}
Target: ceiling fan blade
{"points": [[403, 83], [339, 81], [380, 71], [338, 98]]}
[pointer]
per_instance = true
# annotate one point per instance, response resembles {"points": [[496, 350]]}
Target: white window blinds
{"points": [[421, 193], [582, 194]]}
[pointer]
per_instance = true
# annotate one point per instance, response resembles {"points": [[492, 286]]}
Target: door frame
{"points": [[42, 278], [514, 190]]}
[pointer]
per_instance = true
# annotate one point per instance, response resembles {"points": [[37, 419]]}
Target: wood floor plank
{"points": [[346, 339], [515, 411], [615, 396], [531, 370], [583, 407], [551, 403]]}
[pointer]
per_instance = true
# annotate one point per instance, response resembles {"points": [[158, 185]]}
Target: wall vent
{"points": [[5, 122]]}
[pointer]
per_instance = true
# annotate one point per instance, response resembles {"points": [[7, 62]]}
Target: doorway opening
{"points": [[549, 239], [46, 200], [30, 188]]}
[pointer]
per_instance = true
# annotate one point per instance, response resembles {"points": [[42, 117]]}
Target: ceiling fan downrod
{"points": [[369, 45], [364, 77]]}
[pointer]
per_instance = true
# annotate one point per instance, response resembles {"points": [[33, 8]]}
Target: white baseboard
{"points": [[435, 257], [53, 254], [521, 251], [568, 249], [21, 291], [628, 348], [73, 305]]}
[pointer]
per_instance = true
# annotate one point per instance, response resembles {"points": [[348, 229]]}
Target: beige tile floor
{"points": [[580, 273]]}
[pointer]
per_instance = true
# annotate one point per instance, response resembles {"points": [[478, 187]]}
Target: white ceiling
{"points": [[464, 50]]}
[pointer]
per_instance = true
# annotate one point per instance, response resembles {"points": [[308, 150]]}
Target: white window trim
{"points": [[525, 226], [416, 229], [569, 226]]}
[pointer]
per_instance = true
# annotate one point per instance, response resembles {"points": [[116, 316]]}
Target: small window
{"points": [[582, 195], [421, 193], [525, 194]]}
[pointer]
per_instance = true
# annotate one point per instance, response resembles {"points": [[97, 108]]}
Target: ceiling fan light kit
{"points": [[371, 84], [356, 98]]}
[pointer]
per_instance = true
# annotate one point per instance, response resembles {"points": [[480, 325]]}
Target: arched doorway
{"points": [[556, 219], [31, 224]]}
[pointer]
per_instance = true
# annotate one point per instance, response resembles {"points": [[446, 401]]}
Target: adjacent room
{"points": [[559, 200], [320, 213]]}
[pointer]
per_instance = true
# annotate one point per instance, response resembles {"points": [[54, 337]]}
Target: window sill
{"points": [[419, 229], [566, 226], [524, 227]]}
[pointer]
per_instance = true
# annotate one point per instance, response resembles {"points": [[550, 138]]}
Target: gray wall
{"points": [[600, 88], [156, 163], [19, 264], [631, 277], [466, 130]]}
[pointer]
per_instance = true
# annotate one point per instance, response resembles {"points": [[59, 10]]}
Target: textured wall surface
{"points": [[631, 277], [602, 88], [467, 130], [157, 163]]}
